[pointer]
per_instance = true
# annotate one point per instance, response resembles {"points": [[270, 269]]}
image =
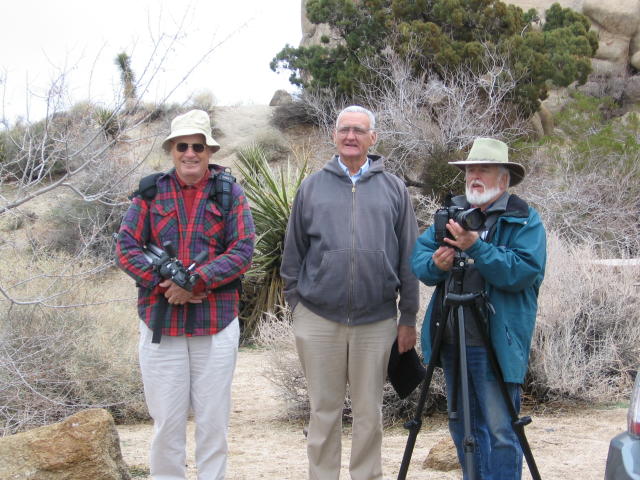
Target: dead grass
{"points": [[587, 341]]}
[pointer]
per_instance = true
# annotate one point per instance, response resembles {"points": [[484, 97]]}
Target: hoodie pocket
{"points": [[328, 286], [374, 282]]}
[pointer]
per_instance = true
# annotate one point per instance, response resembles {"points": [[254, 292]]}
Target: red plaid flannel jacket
{"points": [[229, 242]]}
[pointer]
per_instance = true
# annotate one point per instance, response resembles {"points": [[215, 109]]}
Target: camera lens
{"points": [[472, 219]]}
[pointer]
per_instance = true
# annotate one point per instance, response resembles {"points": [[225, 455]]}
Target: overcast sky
{"points": [[41, 39]]}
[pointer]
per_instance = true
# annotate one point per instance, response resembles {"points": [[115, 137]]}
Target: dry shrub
{"points": [[283, 368], [285, 372], [597, 205], [81, 354], [587, 341], [51, 367]]}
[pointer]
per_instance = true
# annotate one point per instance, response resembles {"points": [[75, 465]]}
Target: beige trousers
{"points": [[332, 356]]}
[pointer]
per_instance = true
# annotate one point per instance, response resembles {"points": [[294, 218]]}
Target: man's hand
{"points": [[463, 239], [406, 338], [177, 295], [443, 258], [197, 297]]}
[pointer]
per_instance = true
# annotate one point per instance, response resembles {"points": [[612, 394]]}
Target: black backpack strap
{"points": [[222, 193], [147, 187]]}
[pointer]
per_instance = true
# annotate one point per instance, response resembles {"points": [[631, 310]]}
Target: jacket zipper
{"points": [[353, 252]]}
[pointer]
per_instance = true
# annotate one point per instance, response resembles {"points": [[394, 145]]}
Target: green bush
{"points": [[446, 35]]}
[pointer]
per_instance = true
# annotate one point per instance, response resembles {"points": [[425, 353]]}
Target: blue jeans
{"points": [[498, 455]]}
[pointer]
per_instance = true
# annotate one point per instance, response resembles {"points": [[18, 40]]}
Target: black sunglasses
{"points": [[183, 147]]}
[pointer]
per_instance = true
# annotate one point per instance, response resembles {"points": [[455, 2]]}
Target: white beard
{"points": [[476, 198]]}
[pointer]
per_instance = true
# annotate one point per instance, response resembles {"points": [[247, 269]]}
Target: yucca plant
{"points": [[107, 120], [270, 194]]}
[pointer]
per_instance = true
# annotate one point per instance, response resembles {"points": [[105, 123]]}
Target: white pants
{"points": [[189, 372]]}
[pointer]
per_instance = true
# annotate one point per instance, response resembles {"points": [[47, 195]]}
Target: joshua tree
{"points": [[123, 61]]}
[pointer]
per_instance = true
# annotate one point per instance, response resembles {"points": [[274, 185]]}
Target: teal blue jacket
{"points": [[512, 264]]}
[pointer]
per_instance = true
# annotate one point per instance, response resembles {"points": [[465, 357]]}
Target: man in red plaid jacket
{"points": [[192, 366]]}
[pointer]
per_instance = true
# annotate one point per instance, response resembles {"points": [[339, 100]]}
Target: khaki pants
{"points": [[332, 355]]}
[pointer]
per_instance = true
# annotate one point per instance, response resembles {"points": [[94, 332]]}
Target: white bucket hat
{"points": [[191, 123], [490, 151]]}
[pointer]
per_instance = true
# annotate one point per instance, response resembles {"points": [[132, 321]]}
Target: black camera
{"points": [[166, 263], [469, 219]]}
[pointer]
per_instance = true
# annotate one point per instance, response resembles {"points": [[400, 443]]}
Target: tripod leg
{"points": [[468, 443], [415, 424], [517, 423], [453, 386]]}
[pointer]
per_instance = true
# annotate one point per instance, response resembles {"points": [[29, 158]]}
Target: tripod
{"points": [[454, 302]]}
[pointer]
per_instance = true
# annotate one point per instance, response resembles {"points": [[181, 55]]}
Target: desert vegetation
{"points": [[68, 333]]}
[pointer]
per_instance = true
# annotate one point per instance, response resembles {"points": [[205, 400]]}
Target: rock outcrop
{"points": [[280, 97], [85, 446]]}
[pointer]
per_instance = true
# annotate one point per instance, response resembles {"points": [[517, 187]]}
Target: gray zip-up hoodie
{"points": [[347, 248]]}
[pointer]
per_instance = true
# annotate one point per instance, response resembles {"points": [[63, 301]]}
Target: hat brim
{"points": [[213, 145], [516, 170], [405, 370]]}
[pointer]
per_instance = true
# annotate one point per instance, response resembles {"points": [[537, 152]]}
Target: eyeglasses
{"points": [[196, 147], [344, 131]]}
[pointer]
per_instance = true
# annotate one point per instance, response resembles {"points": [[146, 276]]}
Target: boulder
{"points": [[621, 17], [542, 5], [312, 33], [280, 97], [634, 45], [635, 60], [557, 99], [85, 446], [607, 68], [442, 456], [546, 120], [632, 89], [535, 127], [613, 47]]}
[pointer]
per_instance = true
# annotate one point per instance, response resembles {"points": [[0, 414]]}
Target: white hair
{"points": [[504, 171], [358, 109]]}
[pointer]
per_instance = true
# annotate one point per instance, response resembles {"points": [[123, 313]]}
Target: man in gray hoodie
{"points": [[346, 260]]}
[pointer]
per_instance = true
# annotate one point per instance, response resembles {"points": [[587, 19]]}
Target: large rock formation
{"points": [[85, 446], [312, 33]]}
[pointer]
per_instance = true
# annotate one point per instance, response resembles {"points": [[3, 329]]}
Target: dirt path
{"points": [[570, 445]]}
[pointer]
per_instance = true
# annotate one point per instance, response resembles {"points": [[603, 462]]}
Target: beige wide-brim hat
{"points": [[191, 123], [489, 151]]}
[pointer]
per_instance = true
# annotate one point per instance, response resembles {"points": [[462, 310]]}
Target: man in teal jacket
{"points": [[506, 259]]}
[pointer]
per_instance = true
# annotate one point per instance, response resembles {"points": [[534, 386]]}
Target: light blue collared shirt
{"points": [[356, 176]]}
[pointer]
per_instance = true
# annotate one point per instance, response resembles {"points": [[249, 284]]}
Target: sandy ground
{"points": [[568, 445]]}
